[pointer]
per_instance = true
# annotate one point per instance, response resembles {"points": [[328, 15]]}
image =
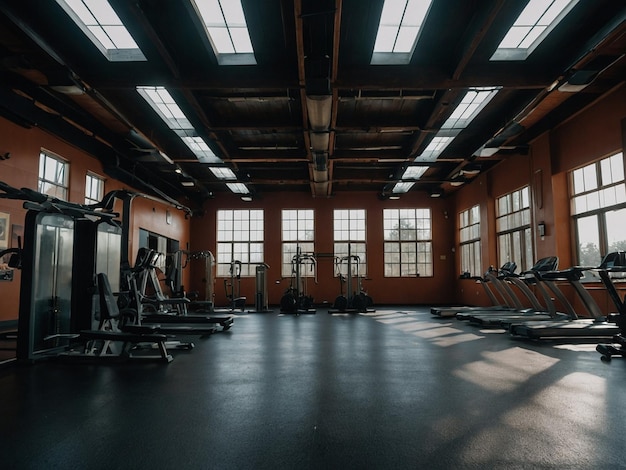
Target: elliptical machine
{"points": [[296, 298], [355, 300]]}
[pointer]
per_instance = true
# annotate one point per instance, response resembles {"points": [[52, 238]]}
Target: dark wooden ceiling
{"points": [[255, 117]]}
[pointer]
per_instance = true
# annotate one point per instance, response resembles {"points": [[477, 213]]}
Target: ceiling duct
{"points": [[319, 108], [319, 141]]}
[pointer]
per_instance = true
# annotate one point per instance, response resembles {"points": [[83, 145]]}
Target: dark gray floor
{"points": [[387, 390]]}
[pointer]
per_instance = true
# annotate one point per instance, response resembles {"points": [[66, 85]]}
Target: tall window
{"points": [[349, 235], [239, 238], [408, 250], [598, 205], [298, 231], [53, 176], [469, 228], [513, 228], [94, 189]]}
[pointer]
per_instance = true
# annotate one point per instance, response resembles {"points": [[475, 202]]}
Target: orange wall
{"points": [[594, 133], [436, 289], [21, 170]]}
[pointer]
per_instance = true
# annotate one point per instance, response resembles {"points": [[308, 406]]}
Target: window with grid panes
{"points": [[469, 235], [598, 206], [53, 175], [513, 229], [349, 233], [240, 236], [408, 250], [298, 231], [94, 189]]}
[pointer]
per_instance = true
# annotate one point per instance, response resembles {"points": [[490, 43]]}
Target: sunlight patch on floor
{"points": [[456, 339], [502, 371]]}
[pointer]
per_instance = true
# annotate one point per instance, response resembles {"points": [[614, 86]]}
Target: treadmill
{"points": [[618, 346], [491, 277], [595, 327], [537, 311]]}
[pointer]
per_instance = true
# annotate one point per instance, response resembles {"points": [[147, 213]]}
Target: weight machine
{"points": [[296, 298], [156, 308], [356, 299], [232, 287], [261, 295], [64, 312]]}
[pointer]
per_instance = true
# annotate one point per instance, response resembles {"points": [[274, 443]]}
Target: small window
{"points": [[94, 189], [513, 228], [469, 236], [53, 176]]}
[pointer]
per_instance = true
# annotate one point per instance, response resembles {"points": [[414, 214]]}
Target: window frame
{"points": [[469, 241], [355, 227], [411, 260], [600, 212], [516, 236], [245, 239], [61, 189], [91, 177], [289, 245]]}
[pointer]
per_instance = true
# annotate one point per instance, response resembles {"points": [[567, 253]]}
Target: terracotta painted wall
{"points": [[21, 170], [596, 132], [436, 289]]}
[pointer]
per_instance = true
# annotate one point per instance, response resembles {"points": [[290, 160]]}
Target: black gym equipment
{"points": [[152, 307], [615, 267], [65, 245], [537, 311], [595, 327], [232, 287], [356, 300], [296, 299], [493, 278], [261, 301]]}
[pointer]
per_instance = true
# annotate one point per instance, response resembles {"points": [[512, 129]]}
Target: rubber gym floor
{"points": [[393, 389]]}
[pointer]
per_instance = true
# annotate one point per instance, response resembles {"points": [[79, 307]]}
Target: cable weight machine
{"points": [[356, 299], [296, 298], [232, 287]]}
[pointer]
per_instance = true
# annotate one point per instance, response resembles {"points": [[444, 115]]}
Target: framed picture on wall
{"points": [[4, 230]]}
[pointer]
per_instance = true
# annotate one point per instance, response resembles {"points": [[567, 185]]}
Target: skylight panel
{"points": [[414, 172], [99, 22], [434, 149], [398, 30], [238, 188], [402, 187], [223, 173], [165, 106], [472, 103], [201, 150], [532, 26], [225, 24]]}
